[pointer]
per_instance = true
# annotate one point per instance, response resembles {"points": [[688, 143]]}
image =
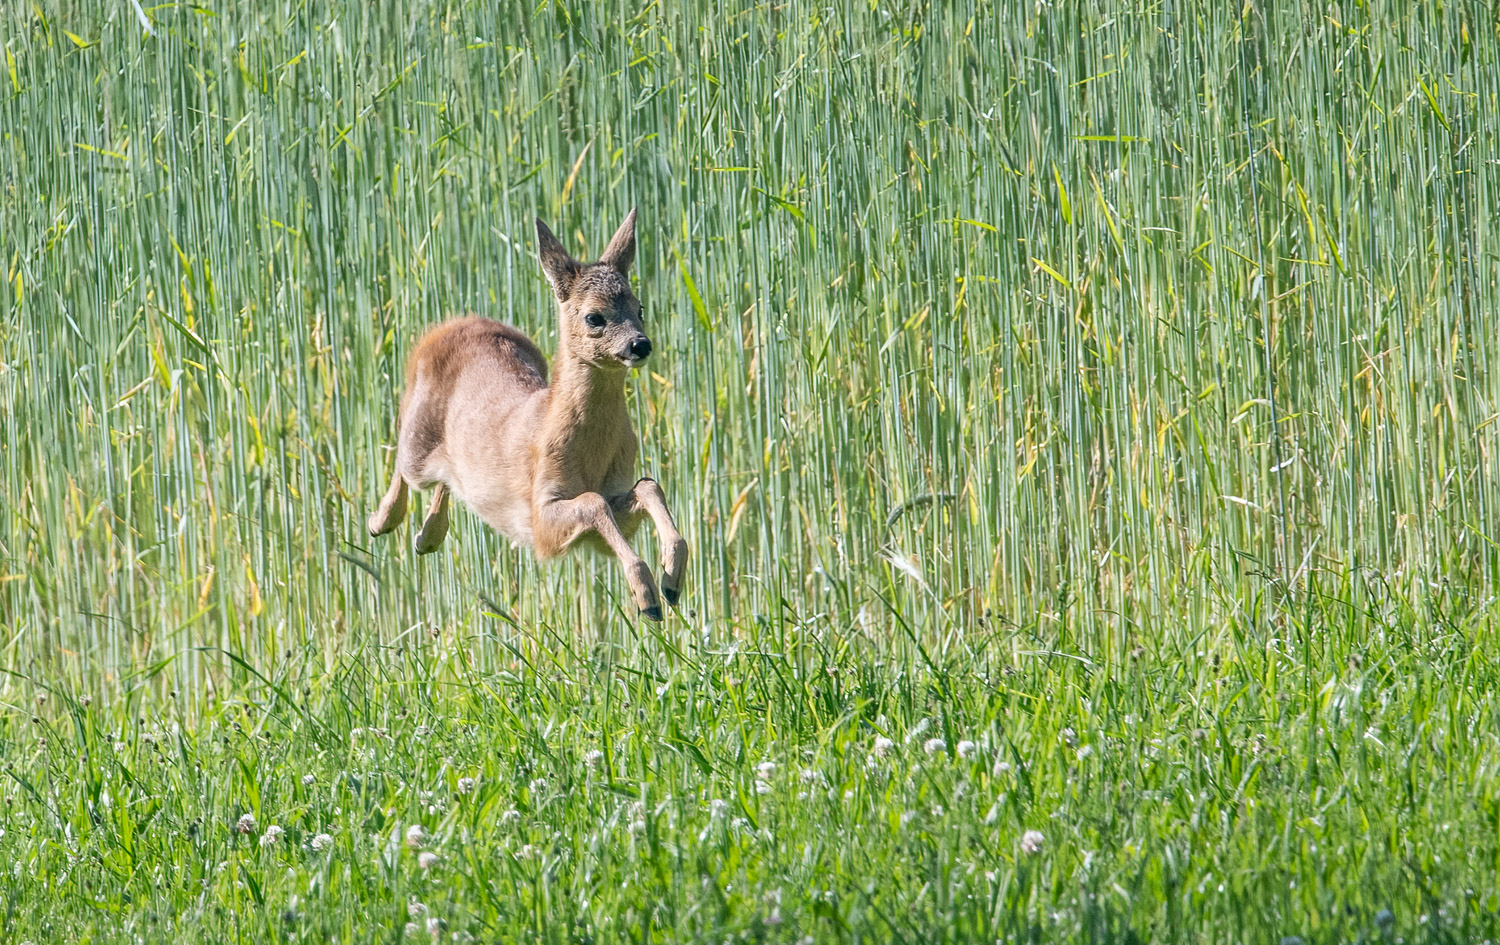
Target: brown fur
{"points": [[547, 466]]}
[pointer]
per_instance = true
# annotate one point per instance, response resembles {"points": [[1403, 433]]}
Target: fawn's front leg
{"points": [[646, 497], [557, 523]]}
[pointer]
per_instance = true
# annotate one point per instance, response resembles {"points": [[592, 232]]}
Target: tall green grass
{"points": [[1048, 376]]}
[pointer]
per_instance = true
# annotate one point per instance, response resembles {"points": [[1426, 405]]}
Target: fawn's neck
{"points": [[584, 397]]}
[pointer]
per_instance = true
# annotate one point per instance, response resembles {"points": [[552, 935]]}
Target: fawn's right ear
{"points": [[561, 268]]}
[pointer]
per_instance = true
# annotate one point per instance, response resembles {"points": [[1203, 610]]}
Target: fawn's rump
{"points": [[459, 345], [473, 368]]}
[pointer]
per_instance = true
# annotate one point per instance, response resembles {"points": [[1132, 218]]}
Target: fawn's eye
{"points": [[594, 320]]}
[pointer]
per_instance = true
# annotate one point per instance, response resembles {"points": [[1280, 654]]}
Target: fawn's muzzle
{"points": [[639, 348]]}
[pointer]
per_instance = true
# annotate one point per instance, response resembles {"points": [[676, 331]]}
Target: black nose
{"points": [[640, 347]]}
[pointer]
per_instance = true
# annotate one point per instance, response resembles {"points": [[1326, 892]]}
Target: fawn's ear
{"points": [[561, 268], [620, 252]]}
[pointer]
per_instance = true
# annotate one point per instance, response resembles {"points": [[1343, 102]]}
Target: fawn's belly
{"points": [[508, 515]]}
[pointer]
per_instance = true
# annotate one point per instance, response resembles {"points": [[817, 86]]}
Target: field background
{"points": [[1099, 401]]}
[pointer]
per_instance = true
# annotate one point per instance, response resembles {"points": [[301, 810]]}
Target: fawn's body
{"points": [[548, 466]]}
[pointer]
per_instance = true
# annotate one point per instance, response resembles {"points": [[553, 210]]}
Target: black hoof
{"points": [[653, 613], [671, 594]]}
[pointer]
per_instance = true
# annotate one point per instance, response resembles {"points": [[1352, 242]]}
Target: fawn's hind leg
{"points": [[435, 525], [392, 507]]}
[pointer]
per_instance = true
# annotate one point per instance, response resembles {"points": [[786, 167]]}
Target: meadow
{"points": [[1085, 419]]}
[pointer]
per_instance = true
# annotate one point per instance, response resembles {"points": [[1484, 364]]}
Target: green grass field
{"points": [[1085, 418]]}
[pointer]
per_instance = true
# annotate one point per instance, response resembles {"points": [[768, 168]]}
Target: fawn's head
{"points": [[600, 315]]}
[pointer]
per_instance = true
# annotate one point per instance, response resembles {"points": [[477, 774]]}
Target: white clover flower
{"points": [[416, 909], [467, 785], [637, 826], [540, 784], [526, 852], [594, 758], [1084, 751], [810, 775], [966, 749], [272, 835], [934, 745], [246, 824], [718, 807], [762, 787], [766, 769], [309, 780], [321, 842], [775, 917], [510, 818], [415, 836], [1001, 767], [435, 926], [1031, 841], [883, 745], [412, 930], [427, 859]]}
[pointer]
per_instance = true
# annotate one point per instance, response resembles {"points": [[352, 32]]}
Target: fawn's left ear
{"points": [[620, 252]]}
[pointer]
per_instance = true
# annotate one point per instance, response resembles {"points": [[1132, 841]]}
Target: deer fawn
{"points": [[546, 466]]}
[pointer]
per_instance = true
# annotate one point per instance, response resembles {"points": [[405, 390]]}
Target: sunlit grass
{"points": [[1109, 390]]}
